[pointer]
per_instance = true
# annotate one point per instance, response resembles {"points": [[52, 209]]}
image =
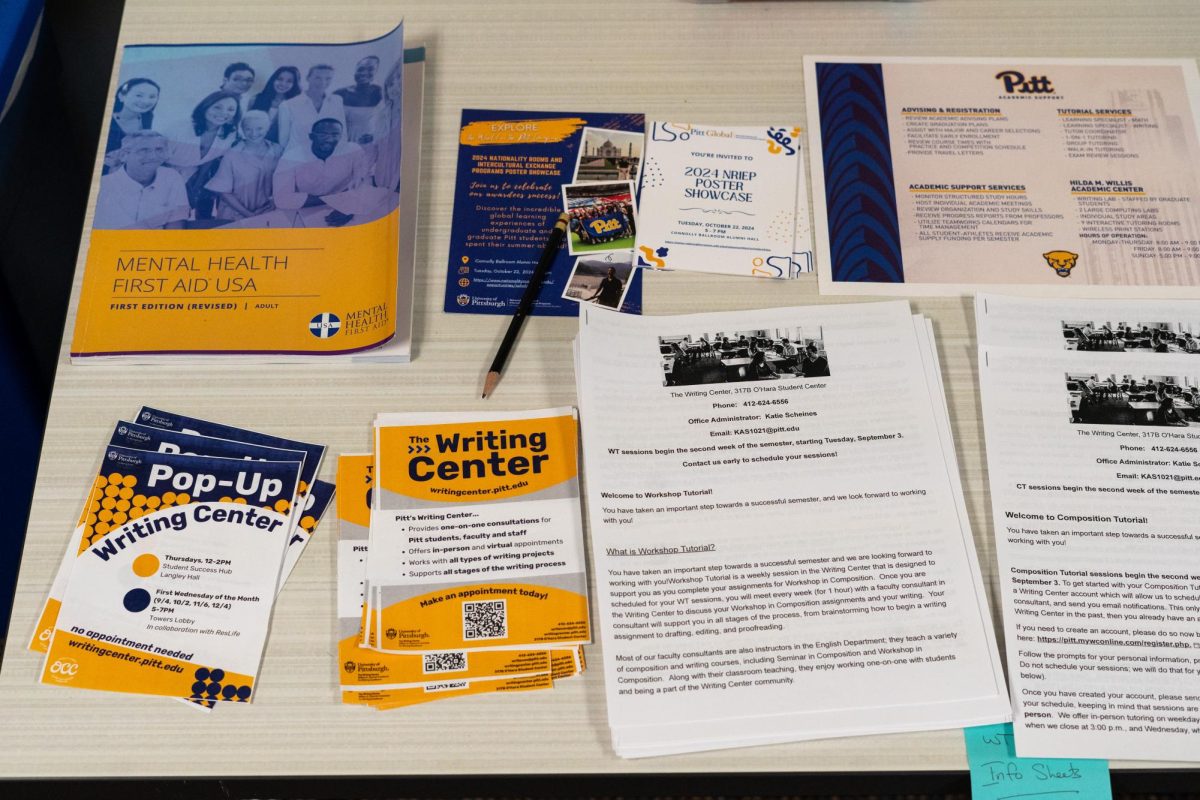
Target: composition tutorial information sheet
{"points": [[789, 543], [1090, 409]]}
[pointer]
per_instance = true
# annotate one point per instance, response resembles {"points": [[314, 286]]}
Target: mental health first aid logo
{"points": [[325, 325]]}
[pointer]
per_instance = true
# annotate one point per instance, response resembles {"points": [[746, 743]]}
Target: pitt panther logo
{"points": [[1016, 83], [1061, 261]]}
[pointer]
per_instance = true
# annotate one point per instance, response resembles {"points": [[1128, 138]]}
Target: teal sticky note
{"points": [[997, 773]]}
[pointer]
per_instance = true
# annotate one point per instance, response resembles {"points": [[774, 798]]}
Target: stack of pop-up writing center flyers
{"points": [[460, 558], [169, 580]]}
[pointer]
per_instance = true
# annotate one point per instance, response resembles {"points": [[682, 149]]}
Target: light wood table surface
{"points": [[736, 63]]}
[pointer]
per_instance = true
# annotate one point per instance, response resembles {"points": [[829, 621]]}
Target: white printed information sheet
{"points": [[1092, 416], [775, 530]]}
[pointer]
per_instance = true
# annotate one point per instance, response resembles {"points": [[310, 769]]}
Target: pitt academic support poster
{"points": [[943, 176]]}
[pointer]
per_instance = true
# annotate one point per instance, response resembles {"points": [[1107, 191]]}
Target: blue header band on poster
{"points": [[860, 191]]}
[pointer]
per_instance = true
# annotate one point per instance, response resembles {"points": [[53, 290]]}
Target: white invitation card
{"points": [[720, 199]]}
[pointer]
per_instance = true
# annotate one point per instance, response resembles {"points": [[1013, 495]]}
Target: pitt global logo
{"points": [[1061, 261], [1016, 83], [670, 132]]}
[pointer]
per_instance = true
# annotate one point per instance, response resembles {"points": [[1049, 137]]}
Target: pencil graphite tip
{"points": [[489, 383]]}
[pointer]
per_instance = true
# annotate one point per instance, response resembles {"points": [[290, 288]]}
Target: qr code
{"points": [[486, 619], [444, 662]]}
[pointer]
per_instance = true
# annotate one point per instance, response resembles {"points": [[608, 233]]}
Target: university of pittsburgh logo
{"points": [[1016, 83], [1061, 261], [350, 667]]}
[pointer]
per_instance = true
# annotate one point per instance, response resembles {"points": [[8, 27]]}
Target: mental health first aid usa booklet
{"points": [[253, 201]]}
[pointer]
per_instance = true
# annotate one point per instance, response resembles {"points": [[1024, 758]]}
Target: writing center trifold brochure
{"points": [[476, 532], [396, 680], [1092, 416], [777, 536]]}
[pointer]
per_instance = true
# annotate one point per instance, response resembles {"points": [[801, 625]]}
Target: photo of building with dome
{"points": [[606, 155]]}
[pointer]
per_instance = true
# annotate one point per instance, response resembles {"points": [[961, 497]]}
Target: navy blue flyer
{"points": [[512, 166]]}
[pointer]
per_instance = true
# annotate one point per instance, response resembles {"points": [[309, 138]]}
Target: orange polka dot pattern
{"points": [[115, 500]]}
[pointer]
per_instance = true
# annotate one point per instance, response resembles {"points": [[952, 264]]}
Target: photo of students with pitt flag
{"points": [[603, 217]]}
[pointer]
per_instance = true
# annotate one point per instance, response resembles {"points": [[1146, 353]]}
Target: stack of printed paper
{"points": [[730, 200], [187, 535], [1092, 415], [460, 558], [778, 531]]}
